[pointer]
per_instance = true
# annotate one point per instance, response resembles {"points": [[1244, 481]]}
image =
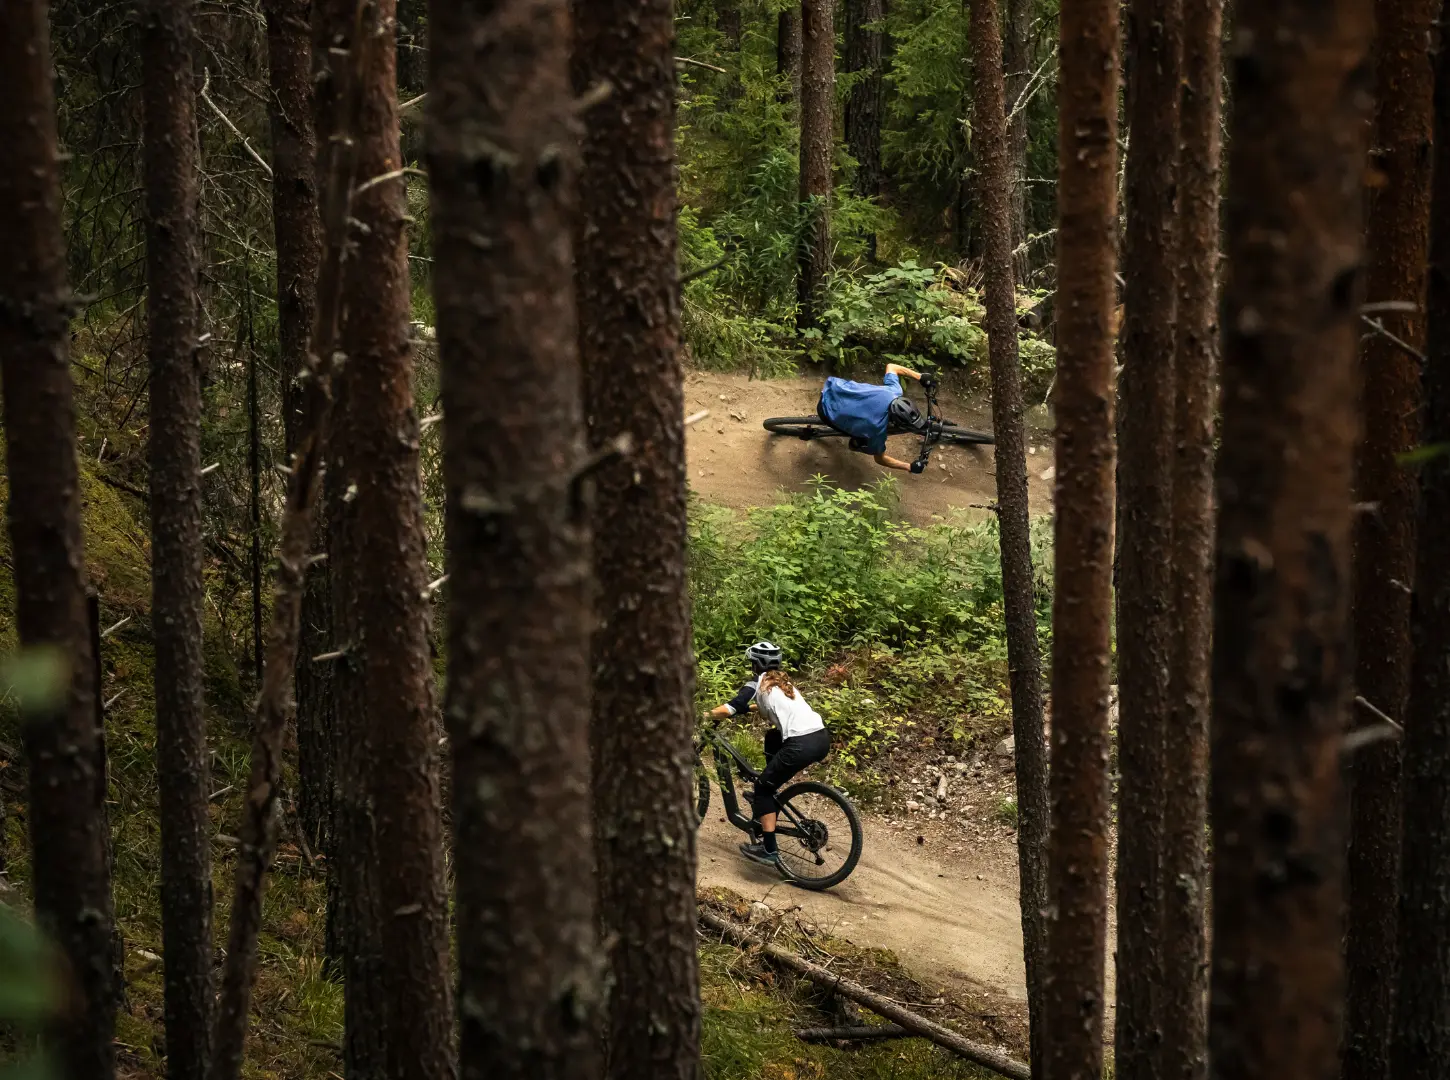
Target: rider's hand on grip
{"points": [[918, 467]]}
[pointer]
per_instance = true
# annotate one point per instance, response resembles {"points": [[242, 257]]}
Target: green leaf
{"points": [[37, 677], [29, 986], [1422, 454]]}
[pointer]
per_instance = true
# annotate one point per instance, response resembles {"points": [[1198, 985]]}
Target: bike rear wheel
{"points": [[818, 834], [802, 427]]}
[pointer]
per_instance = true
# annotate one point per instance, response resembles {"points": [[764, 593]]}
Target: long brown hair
{"points": [[776, 678]]}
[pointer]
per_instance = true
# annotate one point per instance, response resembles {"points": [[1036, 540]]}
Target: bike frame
{"points": [[725, 756]]}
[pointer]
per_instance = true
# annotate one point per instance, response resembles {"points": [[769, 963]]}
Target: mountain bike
{"points": [[818, 831], [933, 428]]}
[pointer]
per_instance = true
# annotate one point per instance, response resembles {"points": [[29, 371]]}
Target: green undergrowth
{"points": [[892, 630]]}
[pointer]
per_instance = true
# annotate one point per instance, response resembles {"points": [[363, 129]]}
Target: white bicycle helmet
{"points": [[763, 656]]}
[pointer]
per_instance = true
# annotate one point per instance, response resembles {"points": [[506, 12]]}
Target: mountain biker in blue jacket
{"points": [[798, 738], [864, 410]]}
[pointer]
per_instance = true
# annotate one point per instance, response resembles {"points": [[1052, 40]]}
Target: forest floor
{"points": [[735, 462], [936, 885]]}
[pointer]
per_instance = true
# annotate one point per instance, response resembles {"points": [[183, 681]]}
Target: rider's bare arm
{"points": [[897, 369], [886, 461]]}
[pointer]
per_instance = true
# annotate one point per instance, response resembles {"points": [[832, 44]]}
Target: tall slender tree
{"points": [[788, 50], [172, 278], [818, 109], [1154, 35], [1082, 603], [258, 828], [730, 22], [1420, 1048], [1017, 55], [626, 271], [1024, 666], [501, 163], [1184, 1001], [1281, 665], [864, 105], [398, 1022], [297, 228], [71, 885], [1396, 230]]}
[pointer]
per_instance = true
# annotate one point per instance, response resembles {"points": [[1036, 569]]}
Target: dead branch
{"points": [[205, 86], [862, 1033], [258, 831], [1400, 343], [975, 1052], [700, 63]]}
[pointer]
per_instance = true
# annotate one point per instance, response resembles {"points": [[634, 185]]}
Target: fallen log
{"points": [[855, 1033], [978, 1053]]}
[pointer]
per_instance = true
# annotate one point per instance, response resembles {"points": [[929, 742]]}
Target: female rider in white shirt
{"points": [[797, 738]]}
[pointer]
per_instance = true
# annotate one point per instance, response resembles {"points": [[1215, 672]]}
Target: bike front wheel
{"points": [[955, 434], [818, 834], [702, 790]]}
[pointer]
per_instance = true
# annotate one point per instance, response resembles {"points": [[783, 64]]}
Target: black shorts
{"points": [[783, 759]]}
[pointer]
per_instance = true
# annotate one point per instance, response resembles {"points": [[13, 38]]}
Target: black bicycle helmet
{"points": [[905, 413], [763, 656]]}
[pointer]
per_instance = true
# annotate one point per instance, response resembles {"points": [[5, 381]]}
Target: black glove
{"points": [[928, 382], [918, 467]]}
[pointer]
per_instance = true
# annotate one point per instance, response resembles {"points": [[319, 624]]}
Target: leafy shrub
{"points": [[907, 314], [830, 570]]}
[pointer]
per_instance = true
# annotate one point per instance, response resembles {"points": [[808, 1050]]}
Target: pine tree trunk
{"points": [[71, 887], [1184, 1005], [1154, 40], [1082, 600], [1281, 665], [182, 760], [1384, 544], [1420, 1049], [1013, 519], [298, 232], [387, 849], [643, 725], [788, 51], [863, 107], [818, 105], [728, 22], [502, 166], [1018, 61]]}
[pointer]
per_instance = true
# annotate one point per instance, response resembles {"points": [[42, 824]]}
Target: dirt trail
{"points": [[733, 461], [949, 914]]}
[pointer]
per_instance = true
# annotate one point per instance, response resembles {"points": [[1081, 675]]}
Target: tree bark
{"points": [[1154, 35], [72, 889], [818, 106], [388, 851], [788, 51], [863, 107], [1281, 665], [1082, 601], [298, 230], [1025, 670], [643, 725], [1184, 1005], [1420, 1049], [172, 275], [1017, 47], [258, 828], [502, 171], [1396, 230], [728, 22]]}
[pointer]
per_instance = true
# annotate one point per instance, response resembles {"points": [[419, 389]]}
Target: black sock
{"points": [[767, 840]]}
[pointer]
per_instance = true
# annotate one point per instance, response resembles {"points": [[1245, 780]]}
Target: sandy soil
{"points": [[948, 910], [733, 461]]}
